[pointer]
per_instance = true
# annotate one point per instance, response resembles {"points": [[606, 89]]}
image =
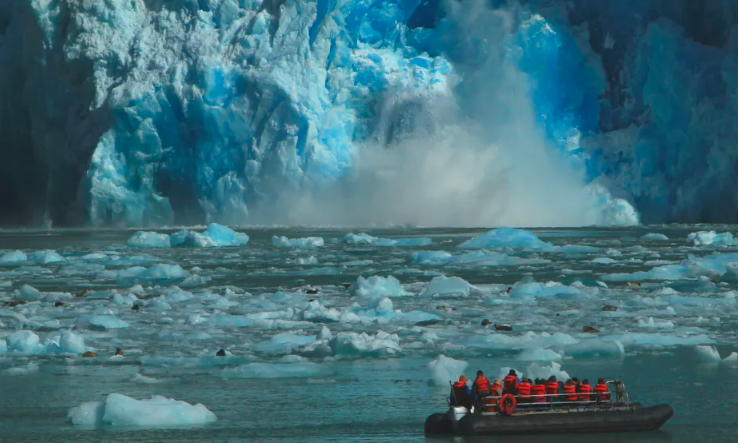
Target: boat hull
{"points": [[622, 420]]}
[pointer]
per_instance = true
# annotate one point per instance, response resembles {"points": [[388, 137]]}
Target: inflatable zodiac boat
{"points": [[509, 415]]}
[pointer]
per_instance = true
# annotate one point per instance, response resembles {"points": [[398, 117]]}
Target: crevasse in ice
{"points": [[156, 112]]}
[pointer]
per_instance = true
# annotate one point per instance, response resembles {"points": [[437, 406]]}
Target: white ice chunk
{"points": [[711, 238], [430, 257], [14, 257], [67, 343], [46, 257], [506, 237], [444, 369], [283, 343], [654, 237], [447, 286], [24, 342], [144, 239], [121, 411], [140, 378], [28, 293], [102, 322], [377, 287], [538, 354], [214, 236], [732, 358], [352, 344], [708, 354], [297, 243]]}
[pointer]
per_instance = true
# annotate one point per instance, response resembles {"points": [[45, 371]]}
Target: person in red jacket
{"points": [[584, 391], [552, 388], [481, 385], [539, 392], [460, 395], [569, 390], [524, 388], [601, 391], [510, 383]]}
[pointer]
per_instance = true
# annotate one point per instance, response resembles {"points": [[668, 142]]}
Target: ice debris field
{"points": [[297, 304]]}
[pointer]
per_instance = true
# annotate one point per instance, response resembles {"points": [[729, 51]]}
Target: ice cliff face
{"points": [[146, 112]]}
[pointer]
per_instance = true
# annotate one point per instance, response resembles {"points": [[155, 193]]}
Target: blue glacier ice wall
{"points": [[150, 112]]}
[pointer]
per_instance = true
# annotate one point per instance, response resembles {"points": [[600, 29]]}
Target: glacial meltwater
{"points": [[337, 334]]}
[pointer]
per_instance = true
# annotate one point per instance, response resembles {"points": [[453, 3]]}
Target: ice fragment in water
{"points": [[13, 257], [444, 369], [711, 238], [366, 239], [538, 354], [143, 239], [352, 344], [506, 237], [377, 287], [708, 354], [431, 257], [24, 342], [283, 343], [214, 236], [125, 412], [655, 237], [102, 322], [67, 342], [297, 243], [46, 257], [447, 286]]}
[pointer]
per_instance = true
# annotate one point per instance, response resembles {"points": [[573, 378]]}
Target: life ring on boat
{"points": [[507, 404]]}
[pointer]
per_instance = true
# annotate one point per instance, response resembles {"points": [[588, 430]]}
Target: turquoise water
{"points": [[364, 397]]}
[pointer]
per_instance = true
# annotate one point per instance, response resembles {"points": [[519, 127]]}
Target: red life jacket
{"points": [[539, 390], [584, 392], [604, 393], [570, 392], [552, 388], [494, 389], [510, 383], [524, 389], [459, 384], [482, 384]]}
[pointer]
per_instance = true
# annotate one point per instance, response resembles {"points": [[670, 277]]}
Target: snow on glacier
{"points": [[217, 111]]}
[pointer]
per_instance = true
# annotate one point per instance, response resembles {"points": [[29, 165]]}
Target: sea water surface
{"points": [[260, 303]]}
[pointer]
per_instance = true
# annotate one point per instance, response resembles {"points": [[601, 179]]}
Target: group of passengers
{"points": [[527, 391]]}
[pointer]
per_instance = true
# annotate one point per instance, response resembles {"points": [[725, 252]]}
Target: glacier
{"points": [[162, 112]]}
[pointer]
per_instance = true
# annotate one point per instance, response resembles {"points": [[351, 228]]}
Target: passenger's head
{"points": [[585, 381], [462, 378], [480, 374], [575, 380], [512, 372], [601, 381], [552, 378]]}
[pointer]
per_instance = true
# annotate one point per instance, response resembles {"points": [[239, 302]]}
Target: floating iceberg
{"points": [[102, 322], [538, 354], [711, 238], [377, 287], [708, 354], [655, 237], [506, 237], [46, 257], [13, 257], [431, 257], [355, 345], [447, 286], [143, 239], [297, 243], [214, 236], [366, 239], [120, 411], [444, 369]]}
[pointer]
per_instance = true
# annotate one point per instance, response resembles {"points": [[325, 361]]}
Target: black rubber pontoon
{"points": [[624, 419]]}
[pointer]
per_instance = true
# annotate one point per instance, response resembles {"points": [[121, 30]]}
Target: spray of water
{"points": [[473, 158]]}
